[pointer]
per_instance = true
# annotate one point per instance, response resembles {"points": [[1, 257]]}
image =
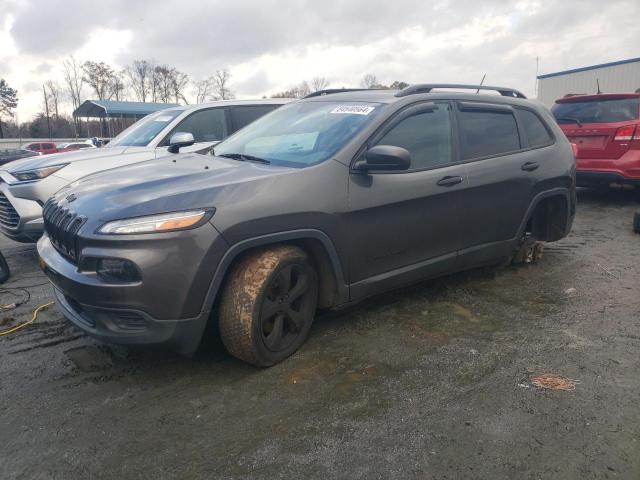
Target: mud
{"points": [[434, 381]]}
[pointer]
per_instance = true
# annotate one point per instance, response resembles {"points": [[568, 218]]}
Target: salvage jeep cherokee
{"points": [[319, 204]]}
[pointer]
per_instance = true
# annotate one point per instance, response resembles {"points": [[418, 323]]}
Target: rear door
{"points": [[602, 127], [501, 178]]}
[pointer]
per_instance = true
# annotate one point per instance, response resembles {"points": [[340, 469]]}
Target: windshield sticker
{"points": [[164, 118], [353, 109]]}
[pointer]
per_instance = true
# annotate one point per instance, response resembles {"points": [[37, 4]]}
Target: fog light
{"points": [[117, 270]]}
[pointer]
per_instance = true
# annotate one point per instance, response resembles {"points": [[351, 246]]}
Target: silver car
{"points": [[25, 185]]}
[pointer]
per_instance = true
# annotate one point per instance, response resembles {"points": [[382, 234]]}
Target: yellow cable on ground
{"points": [[33, 319]]}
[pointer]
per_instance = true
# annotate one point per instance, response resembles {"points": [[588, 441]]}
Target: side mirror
{"points": [[179, 140], [384, 157]]}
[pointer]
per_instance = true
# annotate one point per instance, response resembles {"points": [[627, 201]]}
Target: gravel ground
{"points": [[431, 382]]}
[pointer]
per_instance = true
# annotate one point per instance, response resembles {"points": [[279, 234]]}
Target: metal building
{"points": [[614, 77]]}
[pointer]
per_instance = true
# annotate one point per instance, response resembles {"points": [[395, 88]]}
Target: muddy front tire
{"points": [[268, 305]]}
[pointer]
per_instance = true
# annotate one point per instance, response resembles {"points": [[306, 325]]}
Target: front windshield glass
{"points": [[300, 134], [141, 133]]}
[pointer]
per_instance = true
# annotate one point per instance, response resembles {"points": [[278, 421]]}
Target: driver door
{"points": [[405, 225], [208, 128]]}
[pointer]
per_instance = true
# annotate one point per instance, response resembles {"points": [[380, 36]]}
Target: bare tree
{"points": [[117, 87], [8, 101], [162, 83], [169, 84], [319, 83], [53, 97], [73, 80], [139, 75], [99, 77], [398, 85], [369, 81], [204, 89], [179, 82], [299, 91], [221, 85]]}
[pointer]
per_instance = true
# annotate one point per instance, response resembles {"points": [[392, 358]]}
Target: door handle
{"points": [[450, 181], [530, 166]]}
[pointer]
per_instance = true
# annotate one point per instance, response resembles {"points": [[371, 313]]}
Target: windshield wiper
{"points": [[571, 119], [244, 158]]}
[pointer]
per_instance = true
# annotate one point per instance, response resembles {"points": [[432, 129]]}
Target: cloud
{"points": [[269, 45]]}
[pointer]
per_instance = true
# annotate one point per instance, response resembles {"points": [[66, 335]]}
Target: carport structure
{"points": [[115, 116]]}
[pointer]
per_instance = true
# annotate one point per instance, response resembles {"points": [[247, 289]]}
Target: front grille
{"points": [[8, 215], [62, 226]]}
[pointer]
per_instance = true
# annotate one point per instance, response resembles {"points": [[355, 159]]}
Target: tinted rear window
{"points": [[487, 133], [597, 111], [534, 129]]}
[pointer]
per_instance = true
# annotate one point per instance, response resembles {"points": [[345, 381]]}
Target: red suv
{"points": [[44, 148], [606, 131]]}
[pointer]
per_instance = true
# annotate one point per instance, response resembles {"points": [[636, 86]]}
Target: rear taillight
{"points": [[574, 147], [625, 134]]}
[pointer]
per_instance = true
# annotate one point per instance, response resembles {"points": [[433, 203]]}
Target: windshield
{"points": [[300, 134], [141, 133], [597, 111]]}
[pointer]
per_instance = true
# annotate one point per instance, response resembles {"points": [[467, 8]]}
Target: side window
{"points": [[486, 132], [427, 137], [241, 116], [205, 125], [534, 129], [48, 146]]}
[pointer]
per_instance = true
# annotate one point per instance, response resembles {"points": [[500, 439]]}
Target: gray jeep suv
{"points": [[319, 204]]}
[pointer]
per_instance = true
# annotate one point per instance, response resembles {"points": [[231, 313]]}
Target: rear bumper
{"points": [[598, 172], [604, 179]]}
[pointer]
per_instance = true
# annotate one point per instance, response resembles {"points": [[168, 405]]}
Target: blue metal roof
{"points": [[110, 108], [593, 67]]}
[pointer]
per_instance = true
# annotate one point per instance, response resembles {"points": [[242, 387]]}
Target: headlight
{"points": [[166, 222], [38, 173]]}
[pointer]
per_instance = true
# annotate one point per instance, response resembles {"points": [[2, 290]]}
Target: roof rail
{"points": [[427, 87], [329, 91]]}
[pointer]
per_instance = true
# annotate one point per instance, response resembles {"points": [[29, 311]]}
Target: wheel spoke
{"points": [[273, 340], [296, 320], [269, 309], [300, 288]]}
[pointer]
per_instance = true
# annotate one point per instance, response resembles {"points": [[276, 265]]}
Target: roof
{"points": [[598, 96], [388, 97], [593, 67], [108, 108]]}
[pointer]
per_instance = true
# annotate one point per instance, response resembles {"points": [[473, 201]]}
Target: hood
{"points": [[179, 182], [41, 161]]}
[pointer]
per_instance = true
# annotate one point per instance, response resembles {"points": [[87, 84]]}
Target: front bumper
{"points": [[167, 306], [20, 218], [131, 327]]}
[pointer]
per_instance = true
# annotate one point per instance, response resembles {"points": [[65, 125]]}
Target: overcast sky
{"points": [[270, 45]]}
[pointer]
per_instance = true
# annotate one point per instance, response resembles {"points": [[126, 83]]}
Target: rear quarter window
{"points": [[534, 129], [484, 133]]}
